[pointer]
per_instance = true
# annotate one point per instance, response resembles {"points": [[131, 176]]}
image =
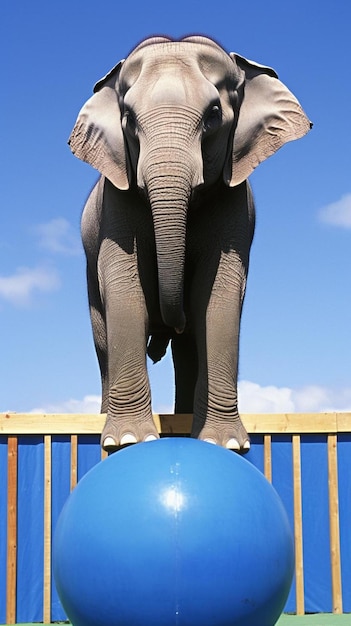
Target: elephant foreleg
{"points": [[217, 296], [216, 417], [129, 414]]}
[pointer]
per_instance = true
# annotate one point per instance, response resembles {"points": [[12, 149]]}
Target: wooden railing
{"points": [[15, 425]]}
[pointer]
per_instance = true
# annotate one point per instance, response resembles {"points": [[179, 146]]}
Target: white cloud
{"points": [[337, 213], [18, 289], [310, 399], [88, 404], [270, 399], [59, 236]]}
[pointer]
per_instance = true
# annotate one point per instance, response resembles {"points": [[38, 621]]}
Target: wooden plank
{"points": [[343, 423], [78, 424], [334, 524], [267, 454], [47, 530], [11, 585], [51, 424], [74, 461], [298, 530], [290, 423], [179, 424]]}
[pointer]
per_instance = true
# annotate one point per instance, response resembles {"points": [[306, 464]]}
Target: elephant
{"points": [[175, 130]]}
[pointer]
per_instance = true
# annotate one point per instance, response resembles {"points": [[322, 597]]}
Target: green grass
{"points": [[318, 619]]}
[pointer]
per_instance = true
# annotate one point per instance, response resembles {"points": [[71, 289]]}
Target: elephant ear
{"points": [[97, 136], [269, 117]]}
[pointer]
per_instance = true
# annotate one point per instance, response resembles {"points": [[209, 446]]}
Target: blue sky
{"points": [[295, 343]]}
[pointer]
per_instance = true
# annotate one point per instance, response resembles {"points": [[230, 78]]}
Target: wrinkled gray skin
{"points": [[175, 130]]}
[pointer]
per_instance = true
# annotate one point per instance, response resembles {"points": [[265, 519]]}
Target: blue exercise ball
{"points": [[173, 532]]}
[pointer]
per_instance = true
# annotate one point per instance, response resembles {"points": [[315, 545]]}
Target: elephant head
{"points": [[177, 116]]}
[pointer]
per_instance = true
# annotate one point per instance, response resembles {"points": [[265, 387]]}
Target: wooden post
{"points": [[11, 587], [334, 523], [267, 451], [74, 461], [298, 530], [47, 530]]}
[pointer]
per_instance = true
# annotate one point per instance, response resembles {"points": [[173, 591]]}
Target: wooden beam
{"points": [[267, 454], [81, 423], [343, 423], [335, 554], [290, 423], [74, 461], [51, 424], [11, 586], [298, 530], [47, 530], [179, 424]]}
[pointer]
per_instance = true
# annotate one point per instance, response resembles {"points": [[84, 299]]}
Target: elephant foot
{"points": [[119, 432], [230, 434]]}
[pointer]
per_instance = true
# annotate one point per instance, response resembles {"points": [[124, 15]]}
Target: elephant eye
{"points": [[213, 118]]}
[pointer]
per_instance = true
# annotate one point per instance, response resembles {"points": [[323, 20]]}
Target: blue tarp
{"points": [[316, 542]]}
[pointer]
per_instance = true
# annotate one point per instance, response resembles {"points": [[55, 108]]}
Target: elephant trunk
{"points": [[169, 168], [169, 197]]}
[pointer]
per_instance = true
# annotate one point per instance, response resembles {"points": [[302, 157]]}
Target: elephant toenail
{"points": [[109, 442], [150, 438], [246, 446], [232, 444], [128, 438], [209, 440]]}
